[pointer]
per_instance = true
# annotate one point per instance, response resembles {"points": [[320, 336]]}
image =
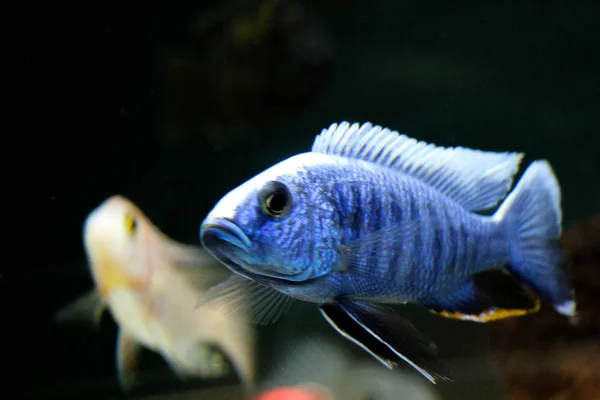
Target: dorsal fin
{"points": [[476, 179]]}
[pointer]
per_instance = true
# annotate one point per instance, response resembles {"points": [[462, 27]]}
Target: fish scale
{"points": [[363, 212]]}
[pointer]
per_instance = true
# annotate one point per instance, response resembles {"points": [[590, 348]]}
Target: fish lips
{"points": [[223, 239], [231, 246], [216, 231]]}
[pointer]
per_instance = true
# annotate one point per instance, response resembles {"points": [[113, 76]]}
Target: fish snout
{"points": [[220, 233]]}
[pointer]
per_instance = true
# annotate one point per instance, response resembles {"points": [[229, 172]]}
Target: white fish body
{"points": [[153, 286]]}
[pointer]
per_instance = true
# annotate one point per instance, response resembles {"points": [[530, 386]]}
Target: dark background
{"points": [[83, 99]]}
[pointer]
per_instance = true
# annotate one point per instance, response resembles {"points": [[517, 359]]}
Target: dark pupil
{"points": [[276, 202]]}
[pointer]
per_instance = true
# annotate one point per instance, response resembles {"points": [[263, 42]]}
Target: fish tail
{"points": [[531, 215]]}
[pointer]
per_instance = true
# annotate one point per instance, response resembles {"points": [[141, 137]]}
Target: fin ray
{"points": [[532, 217], [360, 255], [240, 294], [386, 336], [476, 179]]}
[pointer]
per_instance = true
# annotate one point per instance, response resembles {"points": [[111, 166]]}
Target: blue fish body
{"points": [[433, 244], [370, 216]]}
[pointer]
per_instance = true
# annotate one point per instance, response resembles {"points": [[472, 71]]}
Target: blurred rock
{"points": [[247, 65]]}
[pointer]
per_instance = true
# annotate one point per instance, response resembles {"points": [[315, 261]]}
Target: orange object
{"points": [[295, 393]]}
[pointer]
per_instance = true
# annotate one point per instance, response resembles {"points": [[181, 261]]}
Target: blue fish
{"points": [[370, 217]]}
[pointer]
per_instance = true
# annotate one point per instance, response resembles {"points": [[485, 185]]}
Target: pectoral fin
{"points": [[197, 265], [488, 296], [87, 308], [360, 255], [247, 299], [128, 358], [385, 335]]}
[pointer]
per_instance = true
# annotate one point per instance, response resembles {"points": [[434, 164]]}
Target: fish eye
{"points": [[275, 200], [130, 224]]}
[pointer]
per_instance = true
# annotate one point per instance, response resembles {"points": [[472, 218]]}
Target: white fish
{"points": [[152, 286]]}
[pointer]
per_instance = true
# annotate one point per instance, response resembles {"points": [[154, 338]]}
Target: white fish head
{"points": [[117, 239]]}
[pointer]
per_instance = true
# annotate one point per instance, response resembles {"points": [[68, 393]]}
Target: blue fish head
{"points": [[280, 224]]}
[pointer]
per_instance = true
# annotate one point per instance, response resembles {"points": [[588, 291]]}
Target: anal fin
{"points": [[488, 296]]}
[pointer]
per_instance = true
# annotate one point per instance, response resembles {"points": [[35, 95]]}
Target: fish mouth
{"points": [[216, 231], [226, 242], [231, 246]]}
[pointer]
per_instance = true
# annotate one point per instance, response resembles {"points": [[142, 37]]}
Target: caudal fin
{"points": [[532, 216]]}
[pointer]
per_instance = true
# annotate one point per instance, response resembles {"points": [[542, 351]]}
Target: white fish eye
{"points": [[275, 200], [131, 224]]}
